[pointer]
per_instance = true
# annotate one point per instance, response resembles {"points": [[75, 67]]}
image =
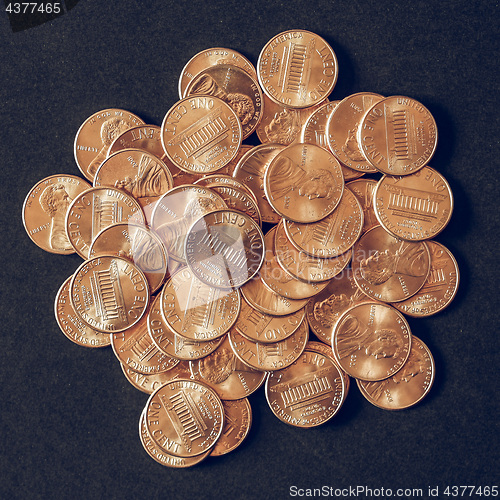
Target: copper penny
{"points": [[225, 248], [184, 417], [250, 171], [304, 183], [398, 135], [195, 310], [138, 173], [309, 392], [270, 356], [408, 386], [282, 125], [297, 68], [371, 341], [150, 382], [201, 134], [176, 211], [303, 266], [314, 131], [45, 209], [342, 128], [172, 344], [148, 138], [219, 180], [387, 268], [240, 200], [414, 207], [279, 280], [110, 294], [71, 325], [213, 57], [161, 456], [236, 88], [440, 287], [266, 328], [363, 190], [137, 243], [135, 348], [324, 309], [226, 374], [237, 423], [332, 236], [96, 135], [95, 209], [143, 137]]}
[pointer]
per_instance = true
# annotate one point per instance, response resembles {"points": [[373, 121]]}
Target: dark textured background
{"points": [[68, 417]]}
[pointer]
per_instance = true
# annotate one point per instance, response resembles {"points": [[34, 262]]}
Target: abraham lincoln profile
{"points": [[287, 176], [409, 259], [284, 127], [145, 252], [355, 336], [55, 201], [217, 367], [328, 310], [241, 104], [414, 365]]}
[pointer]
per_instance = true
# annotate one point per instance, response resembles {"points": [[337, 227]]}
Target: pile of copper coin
{"points": [[200, 305]]}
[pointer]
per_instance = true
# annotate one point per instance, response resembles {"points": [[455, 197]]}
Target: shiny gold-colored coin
{"points": [[150, 382], [250, 171], [280, 281], [201, 134], [236, 88], [137, 243], [174, 420], [266, 328], [144, 137], [96, 135], [237, 423], [371, 341], [304, 183], [414, 207], [297, 68], [332, 236], [109, 294], [176, 211], [69, 323], [363, 190], [138, 173], [408, 386], [212, 57], [342, 128], [327, 351], [165, 339], [262, 298], [160, 455], [324, 309], [398, 135], [309, 392], [95, 209], [195, 310], [303, 266], [226, 374], [440, 287], [387, 268], [224, 248], [270, 356], [134, 348], [45, 209]]}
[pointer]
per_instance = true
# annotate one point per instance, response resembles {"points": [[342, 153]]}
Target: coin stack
{"points": [[214, 267]]}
